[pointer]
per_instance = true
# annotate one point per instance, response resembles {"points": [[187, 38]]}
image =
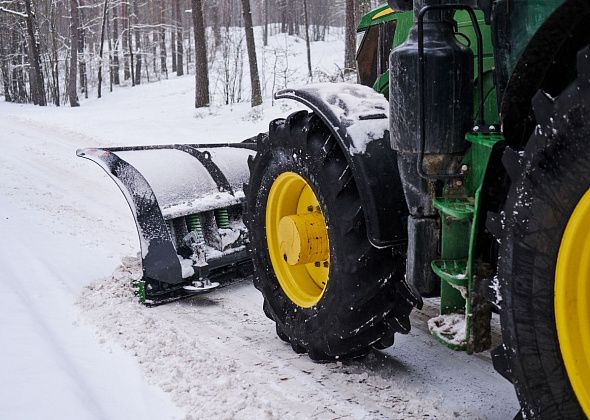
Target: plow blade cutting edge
{"points": [[186, 200]]}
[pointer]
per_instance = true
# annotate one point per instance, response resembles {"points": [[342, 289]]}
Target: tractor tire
{"points": [[548, 181], [365, 299]]}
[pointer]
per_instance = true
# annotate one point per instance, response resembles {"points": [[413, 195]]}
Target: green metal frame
{"points": [[460, 205], [460, 212]]}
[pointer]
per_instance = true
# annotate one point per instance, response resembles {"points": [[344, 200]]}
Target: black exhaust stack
{"points": [[431, 101]]}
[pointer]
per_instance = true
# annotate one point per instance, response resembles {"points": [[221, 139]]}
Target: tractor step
{"points": [[465, 313], [451, 330], [453, 272], [457, 208]]}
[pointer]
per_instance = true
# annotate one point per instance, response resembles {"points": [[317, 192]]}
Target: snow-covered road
{"points": [[70, 350]]}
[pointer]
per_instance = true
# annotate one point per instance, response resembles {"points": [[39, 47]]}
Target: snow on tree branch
{"points": [[13, 12]]}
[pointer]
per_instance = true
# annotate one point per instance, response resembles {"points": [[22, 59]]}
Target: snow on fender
{"points": [[357, 116]]}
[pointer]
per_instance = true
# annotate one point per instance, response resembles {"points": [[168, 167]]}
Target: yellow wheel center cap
{"points": [[303, 239], [298, 239]]}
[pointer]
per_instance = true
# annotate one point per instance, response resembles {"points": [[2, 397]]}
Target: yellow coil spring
{"points": [[222, 218]]}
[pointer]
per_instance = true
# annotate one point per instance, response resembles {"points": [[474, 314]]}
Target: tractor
{"points": [[459, 168]]}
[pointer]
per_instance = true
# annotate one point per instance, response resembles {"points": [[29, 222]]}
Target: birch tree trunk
{"points": [[201, 68]]}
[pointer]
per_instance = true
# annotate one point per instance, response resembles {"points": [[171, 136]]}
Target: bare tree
{"points": [[130, 46], [163, 55], [179, 40], [125, 39], [265, 34], [110, 46], [115, 52], [74, 38], [38, 82], [201, 67], [251, 46], [4, 60], [54, 57], [173, 36], [81, 48], [307, 44], [104, 21], [139, 52], [349, 37], [363, 7]]}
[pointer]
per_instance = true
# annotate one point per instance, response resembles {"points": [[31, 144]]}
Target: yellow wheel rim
{"points": [[572, 301], [297, 239]]}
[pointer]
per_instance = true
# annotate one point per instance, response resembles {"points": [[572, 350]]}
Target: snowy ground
{"points": [[74, 344]]}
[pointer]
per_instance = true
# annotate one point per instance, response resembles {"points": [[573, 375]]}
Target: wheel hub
{"points": [[572, 301], [303, 238], [297, 239]]}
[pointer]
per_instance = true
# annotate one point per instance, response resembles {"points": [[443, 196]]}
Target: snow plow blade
{"points": [[186, 200]]}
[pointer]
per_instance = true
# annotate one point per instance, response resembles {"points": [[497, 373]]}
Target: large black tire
{"points": [[366, 300], [548, 179]]}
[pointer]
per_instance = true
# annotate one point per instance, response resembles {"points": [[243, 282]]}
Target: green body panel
{"points": [[404, 22], [460, 204], [370, 20]]}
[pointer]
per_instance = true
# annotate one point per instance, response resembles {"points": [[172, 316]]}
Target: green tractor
{"points": [[463, 173], [458, 168]]}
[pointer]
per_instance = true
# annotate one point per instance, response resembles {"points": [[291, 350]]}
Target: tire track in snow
{"points": [[218, 357]]}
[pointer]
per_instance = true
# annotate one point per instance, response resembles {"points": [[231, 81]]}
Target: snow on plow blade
{"points": [[187, 204]]}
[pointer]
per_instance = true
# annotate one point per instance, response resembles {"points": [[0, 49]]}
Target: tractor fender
{"points": [[358, 118]]}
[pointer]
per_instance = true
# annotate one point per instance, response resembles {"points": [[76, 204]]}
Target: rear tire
{"points": [[548, 181], [365, 300]]}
